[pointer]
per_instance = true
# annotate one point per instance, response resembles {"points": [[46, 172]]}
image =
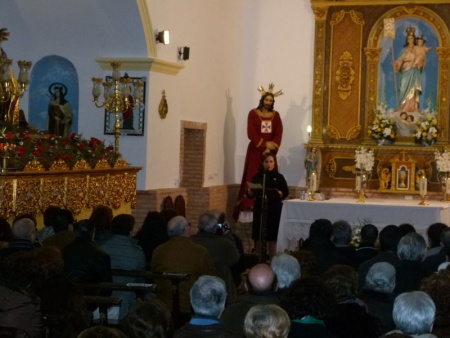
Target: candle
{"points": [[423, 186], [358, 183], [313, 181]]}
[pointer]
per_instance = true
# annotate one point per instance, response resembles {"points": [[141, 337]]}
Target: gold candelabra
{"points": [[117, 96], [9, 86]]}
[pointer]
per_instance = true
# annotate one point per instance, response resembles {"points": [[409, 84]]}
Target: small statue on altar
{"points": [[402, 174], [312, 161], [385, 178], [419, 174]]}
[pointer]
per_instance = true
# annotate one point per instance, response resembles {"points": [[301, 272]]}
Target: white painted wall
{"points": [[235, 47]]}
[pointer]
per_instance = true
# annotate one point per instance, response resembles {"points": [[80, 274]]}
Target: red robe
{"points": [[259, 130]]}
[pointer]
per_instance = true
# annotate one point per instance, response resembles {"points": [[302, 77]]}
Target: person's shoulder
{"points": [[279, 174]]}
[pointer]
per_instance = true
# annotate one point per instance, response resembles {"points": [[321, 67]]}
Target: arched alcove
{"points": [[380, 75], [45, 74]]}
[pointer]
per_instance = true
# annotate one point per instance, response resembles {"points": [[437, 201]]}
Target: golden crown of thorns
{"points": [[271, 86]]}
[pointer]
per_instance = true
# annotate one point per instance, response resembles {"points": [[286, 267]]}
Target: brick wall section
{"points": [[192, 153], [151, 200]]}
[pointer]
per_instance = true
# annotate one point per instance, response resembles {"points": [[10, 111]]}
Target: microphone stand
{"points": [[263, 223]]}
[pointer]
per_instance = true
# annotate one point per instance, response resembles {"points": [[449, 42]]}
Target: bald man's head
{"points": [[261, 280]]}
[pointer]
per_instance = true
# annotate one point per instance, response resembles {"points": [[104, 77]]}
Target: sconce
{"points": [[163, 37], [183, 53], [308, 129]]}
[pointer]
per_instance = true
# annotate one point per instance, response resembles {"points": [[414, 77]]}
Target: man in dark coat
{"points": [[83, 261]]}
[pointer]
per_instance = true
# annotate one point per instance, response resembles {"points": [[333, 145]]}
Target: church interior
{"points": [[189, 136], [146, 106]]}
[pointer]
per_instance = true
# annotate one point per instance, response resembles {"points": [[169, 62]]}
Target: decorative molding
{"points": [[33, 192], [333, 132], [142, 64], [320, 13], [337, 17], [353, 133], [372, 54], [318, 81], [330, 168], [345, 75], [148, 28], [444, 61], [357, 17]]}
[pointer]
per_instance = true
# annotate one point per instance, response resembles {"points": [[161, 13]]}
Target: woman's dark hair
{"points": [[343, 280], [122, 224], [148, 319], [308, 296], [264, 157], [308, 262], [437, 286], [152, 233], [434, 232], [48, 264], [352, 320], [49, 215], [99, 331], [101, 216], [5, 230], [406, 228]]}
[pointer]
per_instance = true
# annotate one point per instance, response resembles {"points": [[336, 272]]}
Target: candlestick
{"points": [[313, 181], [358, 183], [312, 185], [423, 186]]}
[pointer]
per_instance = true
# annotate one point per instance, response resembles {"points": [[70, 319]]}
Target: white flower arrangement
{"points": [[442, 161], [356, 236], [364, 159], [427, 130], [383, 128]]}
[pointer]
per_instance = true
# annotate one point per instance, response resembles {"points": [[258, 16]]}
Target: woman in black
{"points": [[276, 190]]}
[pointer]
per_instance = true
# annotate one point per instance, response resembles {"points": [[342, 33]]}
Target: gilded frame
{"points": [[136, 128]]}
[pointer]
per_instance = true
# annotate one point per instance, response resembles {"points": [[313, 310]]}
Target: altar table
{"points": [[297, 215]]}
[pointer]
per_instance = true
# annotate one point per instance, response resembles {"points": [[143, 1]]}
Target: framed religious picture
{"points": [[131, 120]]}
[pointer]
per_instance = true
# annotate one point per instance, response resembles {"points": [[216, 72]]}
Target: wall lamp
{"points": [[183, 53], [163, 37], [308, 130]]}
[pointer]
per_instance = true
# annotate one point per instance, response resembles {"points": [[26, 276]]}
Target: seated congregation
{"points": [[108, 277]]}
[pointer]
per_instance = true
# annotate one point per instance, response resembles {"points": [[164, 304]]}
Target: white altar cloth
{"points": [[297, 215]]}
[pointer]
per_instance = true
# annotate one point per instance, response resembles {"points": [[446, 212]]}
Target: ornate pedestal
{"points": [[79, 190]]}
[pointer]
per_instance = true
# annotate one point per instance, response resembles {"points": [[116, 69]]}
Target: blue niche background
{"points": [[46, 71], [429, 74]]}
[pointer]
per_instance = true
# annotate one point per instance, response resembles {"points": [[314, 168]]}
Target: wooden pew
{"points": [[141, 289], [103, 303], [174, 277]]}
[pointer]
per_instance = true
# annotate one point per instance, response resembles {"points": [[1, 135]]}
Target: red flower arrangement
{"points": [[23, 147]]}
